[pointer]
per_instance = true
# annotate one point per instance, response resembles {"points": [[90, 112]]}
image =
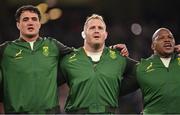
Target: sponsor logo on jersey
{"points": [[149, 67], [112, 54], [72, 58], [45, 50], [18, 55]]}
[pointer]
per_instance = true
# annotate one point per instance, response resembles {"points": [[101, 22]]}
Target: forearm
{"points": [[128, 85], [129, 82]]}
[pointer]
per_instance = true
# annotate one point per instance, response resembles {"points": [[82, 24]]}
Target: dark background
{"points": [[119, 16]]}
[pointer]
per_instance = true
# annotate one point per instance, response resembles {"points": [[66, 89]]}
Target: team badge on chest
{"points": [[45, 50], [112, 54], [178, 60]]}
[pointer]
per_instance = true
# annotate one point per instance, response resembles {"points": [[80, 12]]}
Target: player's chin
{"points": [[169, 52], [30, 35]]}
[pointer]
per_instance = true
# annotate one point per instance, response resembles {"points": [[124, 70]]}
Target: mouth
{"points": [[167, 45], [30, 28], [96, 36]]}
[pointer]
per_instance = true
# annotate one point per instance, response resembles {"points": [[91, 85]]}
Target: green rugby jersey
{"points": [[159, 85], [93, 85], [30, 76]]}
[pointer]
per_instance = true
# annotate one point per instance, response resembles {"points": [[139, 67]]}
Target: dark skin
{"points": [[163, 43]]}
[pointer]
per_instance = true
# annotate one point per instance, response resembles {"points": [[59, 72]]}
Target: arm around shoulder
{"points": [[129, 82], [64, 50]]}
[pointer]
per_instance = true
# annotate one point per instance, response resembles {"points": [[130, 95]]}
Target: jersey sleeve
{"points": [[129, 82], [63, 49], [60, 78], [62, 74], [2, 48]]}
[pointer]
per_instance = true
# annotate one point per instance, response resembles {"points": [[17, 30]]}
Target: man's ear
{"points": [[17, 24], [83, 35], [152, 46]]}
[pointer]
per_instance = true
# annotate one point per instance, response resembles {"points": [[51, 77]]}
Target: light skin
{"points": [[95, 36], [29, 25], [95, 31], [163, 43]]}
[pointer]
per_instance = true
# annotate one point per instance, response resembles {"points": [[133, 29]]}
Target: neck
{"points": [[29, 38], [164, 55], [94, 48]]}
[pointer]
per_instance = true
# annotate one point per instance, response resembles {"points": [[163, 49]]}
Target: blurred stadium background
{"points": [[128, 21]]}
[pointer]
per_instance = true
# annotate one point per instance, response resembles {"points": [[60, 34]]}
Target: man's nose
{"points": [[31, 21], [167, 39], [30, 24], [96, 29]]}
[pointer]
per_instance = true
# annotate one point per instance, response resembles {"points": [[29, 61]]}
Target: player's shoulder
{"points": [[114, 53], [50, 39], [144, 62], [5, 43], [73, 54]]}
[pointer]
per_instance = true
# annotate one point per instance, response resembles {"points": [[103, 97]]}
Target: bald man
{"points": [[158, 76]]}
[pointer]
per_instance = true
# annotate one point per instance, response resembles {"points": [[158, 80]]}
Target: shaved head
{"points": [[163, 42], [157, 32]]}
